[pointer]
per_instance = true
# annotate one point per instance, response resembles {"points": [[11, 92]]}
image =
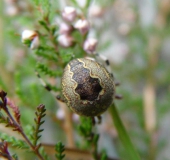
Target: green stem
{"points": [[129, 148]]}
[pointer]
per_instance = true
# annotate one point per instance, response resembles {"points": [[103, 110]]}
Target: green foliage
{"points": [[44, 24], [15, 157], [44, 154], [104, 156], [86, 130], [59, 148], [13, 121], [133, 155], [85, 127], [16, 143], [47, 53], [45, 4], [51, 73], [40, 113], [88, 2]]}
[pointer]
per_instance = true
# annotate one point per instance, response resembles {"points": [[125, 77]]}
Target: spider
{"points": [[88, 88]]}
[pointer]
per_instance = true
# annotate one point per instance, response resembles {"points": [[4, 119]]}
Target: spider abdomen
{"points": [[88, 88]]}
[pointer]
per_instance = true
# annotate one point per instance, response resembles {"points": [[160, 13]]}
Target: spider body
{"points": [[87, 87]]}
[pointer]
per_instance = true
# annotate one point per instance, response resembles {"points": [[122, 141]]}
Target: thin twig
{"points": [[20, 130], [17, 127]]}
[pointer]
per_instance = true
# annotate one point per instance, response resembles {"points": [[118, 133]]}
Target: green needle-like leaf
{"points": [[59, 149], [129, 148]]}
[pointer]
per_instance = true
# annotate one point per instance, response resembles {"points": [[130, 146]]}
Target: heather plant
{"points": [[40, 37]]}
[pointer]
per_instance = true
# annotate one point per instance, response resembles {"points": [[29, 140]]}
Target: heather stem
{"points": [[20, 130]]}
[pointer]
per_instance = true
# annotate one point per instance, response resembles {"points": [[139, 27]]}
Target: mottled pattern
{"points": [[88, 88]]}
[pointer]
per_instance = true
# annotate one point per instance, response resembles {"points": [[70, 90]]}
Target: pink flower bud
{"points": [[65, 28], [82, 25], [65, 40], [90, 45], [69, 14]]}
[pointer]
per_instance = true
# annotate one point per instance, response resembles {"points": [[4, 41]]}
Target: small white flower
{"points": [[65, 40], [90, 45], [28, 35], [69, 14], [30, 38], [82, 25]]}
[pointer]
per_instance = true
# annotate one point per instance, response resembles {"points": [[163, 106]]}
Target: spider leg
{"points": [[109, 69], [47, 87], [61, 99], [106, 61], [117, 83], [44, 84], [93, 120], [117, 96], [99, 119]]}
